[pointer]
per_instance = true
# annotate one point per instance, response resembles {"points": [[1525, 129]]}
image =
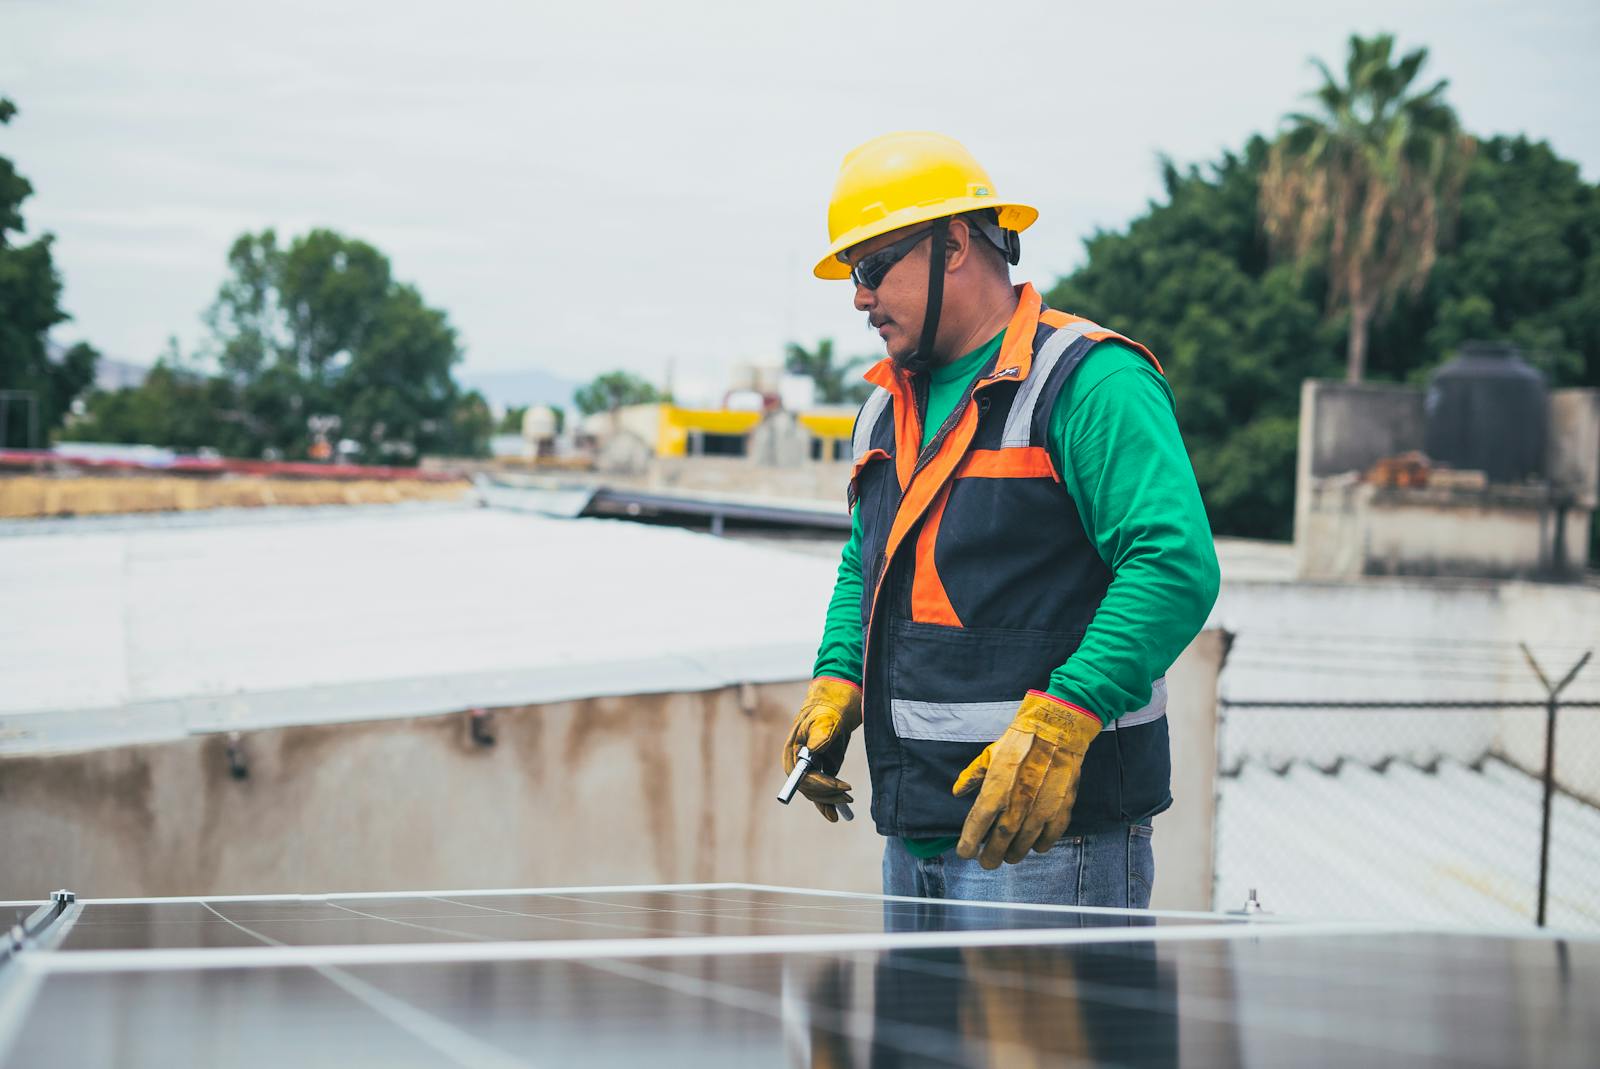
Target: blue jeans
{"points": [[1109, 868]]}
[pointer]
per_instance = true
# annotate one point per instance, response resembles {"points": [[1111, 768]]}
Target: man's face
{"points": [[895, 309]]}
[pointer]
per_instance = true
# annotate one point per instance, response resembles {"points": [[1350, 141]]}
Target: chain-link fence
{"points": [[1454, 810]]}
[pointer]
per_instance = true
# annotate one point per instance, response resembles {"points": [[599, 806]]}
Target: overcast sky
{"points": [[595, 184]]}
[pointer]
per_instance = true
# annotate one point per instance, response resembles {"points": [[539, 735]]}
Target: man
{"points": [[1028, 554]]}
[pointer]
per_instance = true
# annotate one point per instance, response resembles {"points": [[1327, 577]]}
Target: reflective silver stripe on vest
{"points": [[1155, 710], [951, 721], [1019, 424], [868, 419], [987, 721]]}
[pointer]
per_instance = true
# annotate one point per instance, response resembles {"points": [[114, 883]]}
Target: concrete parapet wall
{"points": [[1574, 444], [1539, 609], [1344, 427], [1345, 528], [1410, 640], [1184, 833], [1354, 425], [649, 789], [814, 480]]}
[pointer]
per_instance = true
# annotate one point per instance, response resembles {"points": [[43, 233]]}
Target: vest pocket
{"points": [[868, 480], [963, 684]]}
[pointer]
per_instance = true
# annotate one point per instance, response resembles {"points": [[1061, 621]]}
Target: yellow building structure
{"points": [[671, 431], [712, 432], [690, 431]]}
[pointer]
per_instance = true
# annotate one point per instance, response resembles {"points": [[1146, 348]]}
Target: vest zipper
{"points": [[950, 424], [922, 461], [927, 455]]}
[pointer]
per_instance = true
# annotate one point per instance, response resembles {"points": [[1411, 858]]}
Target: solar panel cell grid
{"points": [[862, 987]]}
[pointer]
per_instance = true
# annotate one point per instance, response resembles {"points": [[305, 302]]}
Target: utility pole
{"points": [[1552, 703]]}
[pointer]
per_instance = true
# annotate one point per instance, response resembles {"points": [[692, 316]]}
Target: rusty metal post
{"points": [[1552, 704], [1549, 799]]}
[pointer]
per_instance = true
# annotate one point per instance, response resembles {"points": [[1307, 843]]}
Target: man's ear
{"points": [[958, 246]]}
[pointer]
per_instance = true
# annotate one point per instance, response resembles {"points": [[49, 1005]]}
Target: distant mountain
{"points": [[504, 389]]}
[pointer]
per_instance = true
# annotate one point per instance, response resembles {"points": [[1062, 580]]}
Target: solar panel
{"points": [[740, 975]]}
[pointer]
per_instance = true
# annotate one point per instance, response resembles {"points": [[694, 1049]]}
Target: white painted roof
{"points": [[131, 629], [1455, 845], [1245, 560]]}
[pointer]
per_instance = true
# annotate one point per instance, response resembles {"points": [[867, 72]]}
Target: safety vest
{"points": [[979, 581]]}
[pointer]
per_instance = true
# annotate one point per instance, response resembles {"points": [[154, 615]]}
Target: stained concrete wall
{"points": [[1486, 533], [1354, 425], [1344, 528], [1183, 839], [1344, 427], [823, 480], [1574, 444], [650, 789]]}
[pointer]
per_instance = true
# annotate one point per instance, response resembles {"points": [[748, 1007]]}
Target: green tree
{"points": [[1193, 279], [314, 329], [394, 389], [511, 422], [613, 390], [1368, 184], [1525, 268], [178, 405], [836, 380], [470, 425], [321, 327], [30, 304]]}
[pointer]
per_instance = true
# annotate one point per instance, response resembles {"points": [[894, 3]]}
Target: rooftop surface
{"points": [[139, 628]]}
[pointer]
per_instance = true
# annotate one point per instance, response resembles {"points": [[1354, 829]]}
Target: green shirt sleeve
{"points": [[1114, 437], [840, 653]]}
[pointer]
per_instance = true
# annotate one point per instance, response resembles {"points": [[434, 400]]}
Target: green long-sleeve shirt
{"points": [[1114, 439]]}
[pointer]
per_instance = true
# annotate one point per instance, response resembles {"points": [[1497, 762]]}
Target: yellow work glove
{"points": [[831, 711], [1030, 780]]}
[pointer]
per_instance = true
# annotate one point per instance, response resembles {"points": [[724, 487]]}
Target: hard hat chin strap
{"points": [[923, 359]]}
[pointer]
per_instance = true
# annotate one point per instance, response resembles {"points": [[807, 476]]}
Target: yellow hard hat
{"points": [[899, 179]]}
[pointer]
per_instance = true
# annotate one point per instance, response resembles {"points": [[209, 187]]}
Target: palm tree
{"points": [[1372, 179], [819, 366]]}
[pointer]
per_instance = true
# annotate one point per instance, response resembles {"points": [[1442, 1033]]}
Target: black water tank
{"points": [[1488, 411]]}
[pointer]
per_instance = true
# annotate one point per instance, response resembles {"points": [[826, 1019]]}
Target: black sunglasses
{"points": [[870, 270]]}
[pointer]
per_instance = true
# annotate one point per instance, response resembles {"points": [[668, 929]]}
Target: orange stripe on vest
{"points": [[907, 424], [930, 604], [1061, 319], [1016, 350], [1032, 462]]}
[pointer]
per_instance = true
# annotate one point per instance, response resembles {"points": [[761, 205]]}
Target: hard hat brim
{"points": [[1013, 216]]}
